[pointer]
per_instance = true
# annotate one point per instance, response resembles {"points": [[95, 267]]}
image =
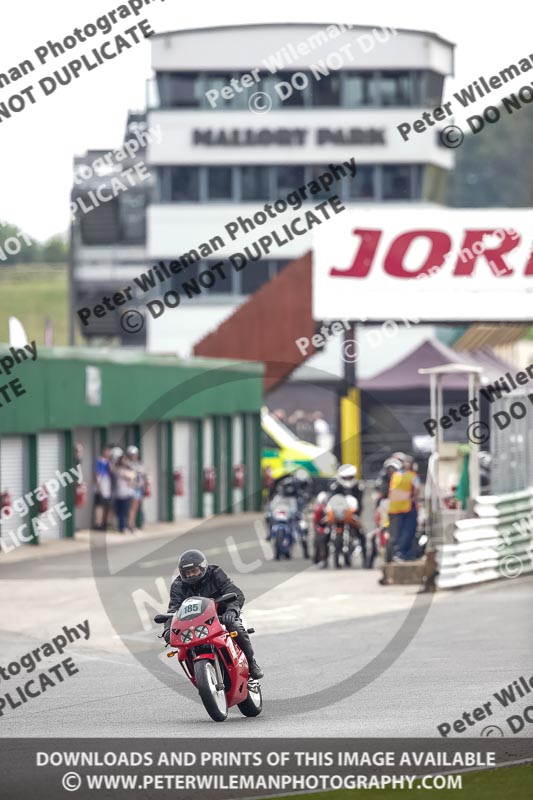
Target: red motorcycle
{"points": [[211, 660]]}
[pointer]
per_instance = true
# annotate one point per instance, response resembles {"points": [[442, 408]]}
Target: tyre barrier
{"points": [[496, 543]]}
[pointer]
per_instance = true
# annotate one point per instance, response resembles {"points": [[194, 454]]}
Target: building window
{"points": [[210, 286], [266, 86], [102, 225], [278, 265], [219, 183], [289, 179], [179, 90], [363, 187], [243, 93], [395, 89], [184, 185], [133, 216], [358, 89], [222, 285], [301, 89], [254, 275], [432, 89], [217, 82], [255, 183], [397, 183], [417, 171], [259, 183], [315, 171], [326, 91]]}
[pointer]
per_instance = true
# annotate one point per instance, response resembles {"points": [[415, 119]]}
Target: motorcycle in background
{"points": [[281, 530], [285, 516], [210, 659], [379, 537], [343, 522]]}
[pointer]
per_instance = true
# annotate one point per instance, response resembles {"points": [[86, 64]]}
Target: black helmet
{"points": [[190, 560], [288, 486]]}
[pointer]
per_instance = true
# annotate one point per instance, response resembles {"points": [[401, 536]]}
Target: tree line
{"points": [[17, 247]]}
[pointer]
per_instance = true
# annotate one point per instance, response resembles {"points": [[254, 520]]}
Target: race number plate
{"points": [[190, 608]]}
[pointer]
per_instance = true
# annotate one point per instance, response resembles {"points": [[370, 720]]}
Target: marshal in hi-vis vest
{"points": [[401, 492]]}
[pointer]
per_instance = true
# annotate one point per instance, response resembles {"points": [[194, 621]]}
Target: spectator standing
{"points": [[304, 426], [390, 466], [78, 454], [124, 490], [139, 488], [291, 422], [323, 437], [102, 493]]}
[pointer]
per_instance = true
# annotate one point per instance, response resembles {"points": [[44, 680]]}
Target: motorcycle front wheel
{"points": [[253, 705], [214, 700]]}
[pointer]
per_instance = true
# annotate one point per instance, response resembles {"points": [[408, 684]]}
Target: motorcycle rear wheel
{"points": [[253, 705], [215, 701]]}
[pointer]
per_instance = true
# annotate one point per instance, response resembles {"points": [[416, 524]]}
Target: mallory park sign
{"points": [[285, 137]]}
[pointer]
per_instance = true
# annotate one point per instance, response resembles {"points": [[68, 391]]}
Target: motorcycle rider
{"points": [[346, 483], [285, 492], [303, 488], [198, 578]]}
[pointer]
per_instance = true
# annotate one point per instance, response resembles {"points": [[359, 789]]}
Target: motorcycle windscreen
{"points": [[193, 607], [287, 505], [338, 506]]}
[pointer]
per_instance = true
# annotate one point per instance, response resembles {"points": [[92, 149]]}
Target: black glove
{"points": [[228, 617]]}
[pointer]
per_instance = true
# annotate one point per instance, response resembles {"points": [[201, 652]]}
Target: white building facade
{"points": [[248, 114]]}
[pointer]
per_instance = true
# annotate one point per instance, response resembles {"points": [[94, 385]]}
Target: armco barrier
{"points": [[496, 543]]}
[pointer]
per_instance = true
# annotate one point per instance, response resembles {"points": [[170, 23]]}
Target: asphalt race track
{"points": [[342, 655]]}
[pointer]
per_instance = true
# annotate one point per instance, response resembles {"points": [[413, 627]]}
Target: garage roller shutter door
{"points": [[50, 458], [237, 424], [86, 437], [222, 483], [184, 462], [208, 462], [13, 478], [151, 461]]}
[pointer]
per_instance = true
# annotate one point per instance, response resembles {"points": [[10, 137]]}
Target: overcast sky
{"points": [[38, 144]]}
